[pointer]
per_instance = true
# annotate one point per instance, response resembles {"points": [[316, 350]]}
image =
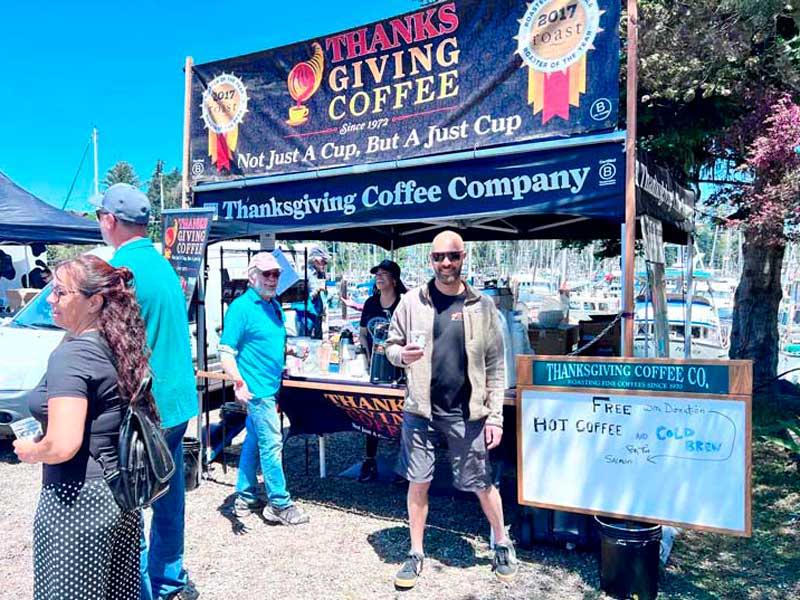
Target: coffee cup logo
{"points": [[303, 82], [553, 40], [223, 110]]}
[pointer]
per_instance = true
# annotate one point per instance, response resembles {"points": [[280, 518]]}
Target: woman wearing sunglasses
{"points": [[84, 546]]}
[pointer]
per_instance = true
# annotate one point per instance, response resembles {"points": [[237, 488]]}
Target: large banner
{"points": [[184, 236], [584, 181], [456, 75]]}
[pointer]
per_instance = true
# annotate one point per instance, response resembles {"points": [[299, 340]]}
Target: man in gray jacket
{"points": [[447, 337]]}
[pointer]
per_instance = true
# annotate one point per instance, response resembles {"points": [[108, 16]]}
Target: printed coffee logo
{"points": [[555, 34]]}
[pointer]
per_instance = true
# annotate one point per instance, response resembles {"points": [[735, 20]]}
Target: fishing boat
{"points": [[706, 337]]}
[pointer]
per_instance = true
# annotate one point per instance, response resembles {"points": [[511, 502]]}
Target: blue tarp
{"points": [[27, 219]]}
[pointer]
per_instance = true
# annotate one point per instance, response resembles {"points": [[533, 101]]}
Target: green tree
{"points": [[170, 183], [121, 172], [706, 68]]}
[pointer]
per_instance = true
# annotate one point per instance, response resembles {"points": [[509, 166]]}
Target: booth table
{"points": [[329, 404]]}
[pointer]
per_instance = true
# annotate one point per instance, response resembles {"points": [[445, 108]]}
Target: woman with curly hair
{"points": [[84, 546]]}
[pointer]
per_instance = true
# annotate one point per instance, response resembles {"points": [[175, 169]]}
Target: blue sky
{"points": [[67, 66]]}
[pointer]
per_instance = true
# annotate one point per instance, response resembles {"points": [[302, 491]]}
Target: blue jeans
{"points": [[264, 444], [162, 570]]}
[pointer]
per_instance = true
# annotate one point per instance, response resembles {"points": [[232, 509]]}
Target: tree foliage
{"points": [[121, 172], [701, 64], [171, 182]]}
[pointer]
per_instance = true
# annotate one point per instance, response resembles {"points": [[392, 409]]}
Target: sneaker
{"points": [[189, 592], [504, 563], [369, 470], [408, 574], [291, 515], [244, 508]]}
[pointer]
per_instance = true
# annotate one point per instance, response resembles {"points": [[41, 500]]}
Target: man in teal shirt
{"points": [[252, 349], [123, 212]]}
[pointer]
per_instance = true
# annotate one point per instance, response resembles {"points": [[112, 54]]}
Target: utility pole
{"points": [[96, 172]]}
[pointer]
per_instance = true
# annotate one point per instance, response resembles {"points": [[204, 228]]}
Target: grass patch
{"points": [[767, 565]]}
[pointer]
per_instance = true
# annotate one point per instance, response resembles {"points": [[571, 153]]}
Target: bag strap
{"points": [[144, 386]]}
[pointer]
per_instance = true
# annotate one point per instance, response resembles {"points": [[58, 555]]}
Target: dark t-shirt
{"points": [[450, 388], [374, 313], [81, 367]]}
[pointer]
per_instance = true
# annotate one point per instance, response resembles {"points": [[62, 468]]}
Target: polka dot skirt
{"points": [[84, 546]]}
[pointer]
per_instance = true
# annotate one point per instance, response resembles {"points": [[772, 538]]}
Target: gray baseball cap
{"points": [[125, 202]]}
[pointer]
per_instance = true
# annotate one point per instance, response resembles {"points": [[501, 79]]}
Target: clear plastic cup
{"points": [[28, 428], [418, 338]]}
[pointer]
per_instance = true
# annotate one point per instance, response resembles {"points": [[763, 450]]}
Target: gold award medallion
{"points": [[223, 110], [553, 40]]}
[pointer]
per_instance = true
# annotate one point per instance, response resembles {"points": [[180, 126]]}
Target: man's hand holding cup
{"points": [[414, 349]]}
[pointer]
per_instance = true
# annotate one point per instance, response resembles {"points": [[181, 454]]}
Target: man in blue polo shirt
{"points": [[252, 349], [123, 212]]}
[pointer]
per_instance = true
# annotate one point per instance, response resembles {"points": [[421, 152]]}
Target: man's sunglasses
{"points": [[273, 273], [453, 256]]}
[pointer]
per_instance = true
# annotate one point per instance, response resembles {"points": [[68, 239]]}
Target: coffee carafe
{"points": [[380, 369]]}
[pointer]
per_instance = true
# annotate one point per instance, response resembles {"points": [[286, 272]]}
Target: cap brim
{"points": [[96, 200]]}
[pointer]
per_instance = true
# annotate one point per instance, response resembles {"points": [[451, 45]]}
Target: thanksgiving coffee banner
{"points": [[184, 238], [453, 76]]}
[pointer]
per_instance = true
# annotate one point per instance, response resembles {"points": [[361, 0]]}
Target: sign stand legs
{"points": [[322, 467]]}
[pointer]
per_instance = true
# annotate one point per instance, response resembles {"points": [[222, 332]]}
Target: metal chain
{"points": [[608, 328], [596, 338]]}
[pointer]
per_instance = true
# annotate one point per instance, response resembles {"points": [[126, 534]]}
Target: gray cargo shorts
{"points": [[466, 448]]}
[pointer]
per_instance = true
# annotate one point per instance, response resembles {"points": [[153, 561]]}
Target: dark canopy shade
{"points": [[27, 219], [560, 190]]}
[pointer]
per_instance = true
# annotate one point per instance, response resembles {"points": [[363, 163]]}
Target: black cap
{"points": [[387, 265]]}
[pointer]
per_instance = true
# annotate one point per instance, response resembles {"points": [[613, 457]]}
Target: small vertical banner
{"points": [[553, 40], [184, 235]]}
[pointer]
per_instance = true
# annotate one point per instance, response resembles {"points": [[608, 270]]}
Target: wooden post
{"points": [[187, 107], [630, 180]]}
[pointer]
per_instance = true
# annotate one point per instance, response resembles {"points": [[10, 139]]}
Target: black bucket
{"points": [[191, 463], [629, 558]]}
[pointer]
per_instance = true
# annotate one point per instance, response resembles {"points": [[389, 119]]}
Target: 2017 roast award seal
{"points": [[554, 37], [224, 107]]}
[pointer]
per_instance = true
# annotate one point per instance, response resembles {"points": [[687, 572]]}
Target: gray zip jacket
{"points": [[485, 361]]}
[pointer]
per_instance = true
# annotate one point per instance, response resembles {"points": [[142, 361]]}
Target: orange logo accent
{"points": [[170, 237], [303, 82]]}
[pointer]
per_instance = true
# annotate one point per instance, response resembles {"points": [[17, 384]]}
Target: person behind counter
{"points": [[252, 348], [378, 309], [311, 313]]}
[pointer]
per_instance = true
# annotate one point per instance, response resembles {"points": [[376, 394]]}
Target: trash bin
{"points": [[191, 463], [629, 557]]}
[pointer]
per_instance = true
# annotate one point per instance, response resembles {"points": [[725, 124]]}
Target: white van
{"points": [[28, 338]]}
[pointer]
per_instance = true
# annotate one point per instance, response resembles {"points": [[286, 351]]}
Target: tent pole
{"points": [[630, 179], [187, 120]]}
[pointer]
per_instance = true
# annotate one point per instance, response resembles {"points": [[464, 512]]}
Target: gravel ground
{"points": [[351, 549], [358, 536]]}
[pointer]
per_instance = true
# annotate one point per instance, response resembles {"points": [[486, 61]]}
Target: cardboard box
{"points": [[557, 341], [609, 345]]}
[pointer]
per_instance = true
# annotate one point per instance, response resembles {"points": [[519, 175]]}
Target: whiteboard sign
{"points": [[660, 458]]}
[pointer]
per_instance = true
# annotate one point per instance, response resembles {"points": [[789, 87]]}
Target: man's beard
{"points": [[449, 277], [265, 292]]}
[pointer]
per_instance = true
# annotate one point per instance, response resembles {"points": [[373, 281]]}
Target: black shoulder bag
{"points": [[144, 463]]}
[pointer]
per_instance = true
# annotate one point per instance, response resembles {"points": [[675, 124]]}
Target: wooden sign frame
{"points": [[740, 388]]}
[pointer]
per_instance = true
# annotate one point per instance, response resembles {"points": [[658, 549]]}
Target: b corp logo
{"points": [[607, 172], [600, 109], [198, 167]]}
